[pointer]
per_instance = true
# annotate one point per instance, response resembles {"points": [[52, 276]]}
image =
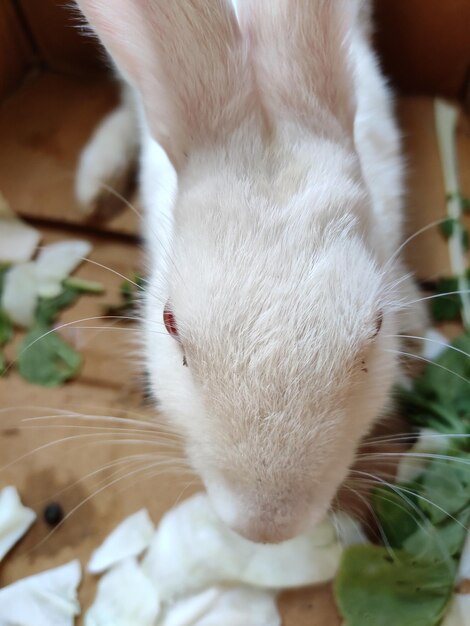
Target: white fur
{"points": [[108, 156], [273, 247]]}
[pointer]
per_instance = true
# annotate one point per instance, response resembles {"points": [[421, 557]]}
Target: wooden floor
{"points": [[42, 129]]}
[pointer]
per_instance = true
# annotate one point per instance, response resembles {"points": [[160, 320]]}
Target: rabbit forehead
{"points": [[267, 310]]}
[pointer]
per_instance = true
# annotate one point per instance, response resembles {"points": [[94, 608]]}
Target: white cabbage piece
{"points": [[26, 282], [187, 611], [348, 530], [15, 519], [236, 606], [458, 613], [192, 550], [435, 345], [46, 599], [18, 241], [415, 460], [130, 538], [464, 564], [20, 297], [125, 597], [57, 261]]}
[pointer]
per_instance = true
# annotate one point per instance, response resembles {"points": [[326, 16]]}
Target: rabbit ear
{"points": [[301, 52], [185, 57]]}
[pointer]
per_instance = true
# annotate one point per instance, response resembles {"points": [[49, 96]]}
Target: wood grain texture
{"points": [[44, 126], [62, 44], [16, 53], [424, 44], [425, 200]]}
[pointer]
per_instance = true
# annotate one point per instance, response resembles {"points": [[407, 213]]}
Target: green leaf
{"points": [[129, 290], [378, 587], [6, 328], [440, 397], [445, 489], [396, 512], [443, 381], [438, 543], [130, 287], [3, 364], [3, 270], [45, 359], [447, 226], [465, 241], [49, 308], [464, 201], [446, 308], [83, 286]]}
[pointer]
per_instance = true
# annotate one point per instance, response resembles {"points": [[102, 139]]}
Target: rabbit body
{"points": [[272, 181]]}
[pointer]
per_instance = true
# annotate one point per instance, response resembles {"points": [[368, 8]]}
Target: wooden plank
{"points": [[428, 253], [58, 472], [61, 42], [424, 44], [44, 127], [16, 54]]}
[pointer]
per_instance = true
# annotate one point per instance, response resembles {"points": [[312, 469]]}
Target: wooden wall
{"points": [[16, 53], [424, 44], [60, 41]]}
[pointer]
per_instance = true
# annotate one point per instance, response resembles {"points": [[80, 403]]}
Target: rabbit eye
{"points": [[170, 322], [171, 327]]}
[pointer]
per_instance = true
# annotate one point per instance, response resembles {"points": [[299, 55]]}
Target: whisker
{"points": [[87, 499], [415, 494], [149, 474], [377, 521], [431, 362], [439, 295], [436, 341], [94, 436], [57, 328], [162, 245], [417, 455], [64, 414], [102, 468], [108, 430], [410, 437], [425, 527], [110, 269], [413, 236]]}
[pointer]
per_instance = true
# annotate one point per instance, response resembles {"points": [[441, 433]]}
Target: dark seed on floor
{"points": [[53, 514]]}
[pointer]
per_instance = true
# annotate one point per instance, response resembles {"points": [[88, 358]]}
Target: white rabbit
{"points": [[272, 181]]}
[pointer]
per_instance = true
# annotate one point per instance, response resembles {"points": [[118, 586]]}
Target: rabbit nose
{"points": [[271, 521]]}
